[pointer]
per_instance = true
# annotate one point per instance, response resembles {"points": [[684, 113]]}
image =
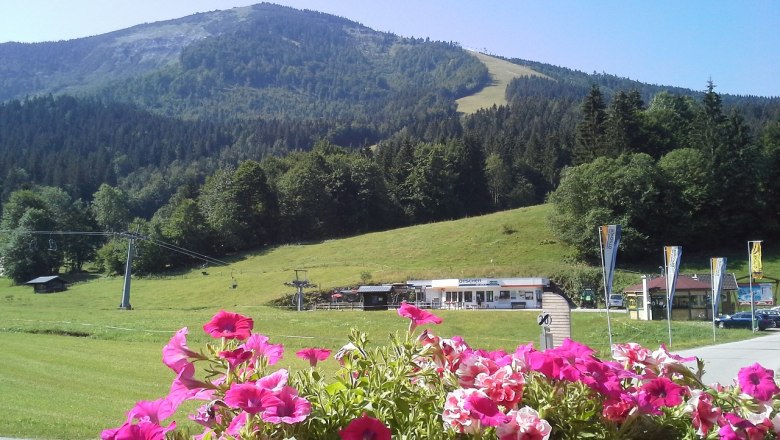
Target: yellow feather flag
{"points": [[756, 268]]}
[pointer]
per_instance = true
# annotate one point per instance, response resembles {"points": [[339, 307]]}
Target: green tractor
{"points": [[588, 299]]}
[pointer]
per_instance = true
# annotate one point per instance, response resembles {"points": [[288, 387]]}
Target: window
{"points": [[467, 297], [490, 296], [640, 303], [504, 294], [529, 295], [680, 302], [448, 296]]}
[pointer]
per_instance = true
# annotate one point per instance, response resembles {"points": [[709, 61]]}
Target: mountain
{"points": [[262, 60]]}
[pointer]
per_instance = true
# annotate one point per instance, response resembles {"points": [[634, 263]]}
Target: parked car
{"points": [[774, 315], [743, 320], [616, 301]]}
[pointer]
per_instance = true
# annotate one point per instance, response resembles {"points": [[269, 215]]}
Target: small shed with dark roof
{"points": [[375, 297], [48, 284]]}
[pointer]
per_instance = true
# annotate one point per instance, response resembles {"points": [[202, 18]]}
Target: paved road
{"points": [[722, 362]]}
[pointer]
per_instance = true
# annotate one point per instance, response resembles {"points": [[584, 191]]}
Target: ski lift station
{"points": [[481, 293]]}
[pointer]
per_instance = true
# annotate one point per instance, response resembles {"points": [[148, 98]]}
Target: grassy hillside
{"points": [[501, 73], [75, 353]]}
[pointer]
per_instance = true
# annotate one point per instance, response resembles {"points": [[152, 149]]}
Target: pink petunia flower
{"points": [[153, 411], [236, 357], [481, 407], [618, 409], [274, 381], [313, 355], [229, 326], [734, 427], [504, 386], [470, 366], [758, 382], [365, 427], [286, 407], [248, 397], [417, 316], [176, 354], [468, 410], [632, 355], [238, 423], [660, 392], [262, 350], [703, 415], [524, 424], [600, 377], [140, 431]]}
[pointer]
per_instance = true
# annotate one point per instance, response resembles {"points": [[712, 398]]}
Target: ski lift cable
{"points": [[187, 252], [160, 243], [190, 252]]}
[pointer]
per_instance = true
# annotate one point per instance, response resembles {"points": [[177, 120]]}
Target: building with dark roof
{"points": [[692, 299], [48, 284]]}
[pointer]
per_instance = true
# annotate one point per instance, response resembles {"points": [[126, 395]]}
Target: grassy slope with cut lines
{"points": [[501, 72]]}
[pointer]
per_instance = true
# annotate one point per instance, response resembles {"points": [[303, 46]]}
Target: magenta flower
{"points": [[248, 397], [468, 410], [659, 392], [758, 382], [365, 427], [153, 411], [617, 410], [704, 416], [176, 354], [417, 316], [481, 407], [524, 424], [286, 407], [313, 355], [599, 377], [229, 326], [274, 381], [734, 427], [504, 386], [238, 423], [140, 431], [262, 350], [235, 357]]}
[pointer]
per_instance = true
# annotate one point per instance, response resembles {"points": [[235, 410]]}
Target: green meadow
{"points": [[72, 364]]}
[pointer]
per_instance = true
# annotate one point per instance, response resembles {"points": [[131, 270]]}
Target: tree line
{"points": [[597, 161]]}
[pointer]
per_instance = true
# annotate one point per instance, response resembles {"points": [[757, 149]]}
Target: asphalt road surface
{"points": [[722, 362]]}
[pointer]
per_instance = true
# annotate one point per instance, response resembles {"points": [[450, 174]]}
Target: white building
{"points": [[484, 293]]}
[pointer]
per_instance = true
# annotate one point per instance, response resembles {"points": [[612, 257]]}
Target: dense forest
{"points": [[298, 126]]}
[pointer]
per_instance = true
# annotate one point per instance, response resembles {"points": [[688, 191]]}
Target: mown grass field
{"points": [[501, 72], [72, 364]]}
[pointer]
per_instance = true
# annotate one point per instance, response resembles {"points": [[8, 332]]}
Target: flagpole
{"points": [[606, 294], [668, 297], [712, 288]]}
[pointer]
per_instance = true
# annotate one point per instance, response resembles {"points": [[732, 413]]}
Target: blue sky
{"points": [[680, 43]]}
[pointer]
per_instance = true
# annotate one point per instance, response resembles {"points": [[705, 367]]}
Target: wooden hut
{"points": [[48, 284]]}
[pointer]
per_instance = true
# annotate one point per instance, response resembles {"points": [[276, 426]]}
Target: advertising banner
{"points": [[756, 268], [717, 269], [673, 254], [610, 239]]}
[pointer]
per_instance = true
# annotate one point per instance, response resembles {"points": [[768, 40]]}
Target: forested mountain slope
{"points": [[265, 125], [263, 60]]}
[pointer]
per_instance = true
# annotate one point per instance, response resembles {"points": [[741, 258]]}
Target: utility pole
{"points": [[299, 285]]}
